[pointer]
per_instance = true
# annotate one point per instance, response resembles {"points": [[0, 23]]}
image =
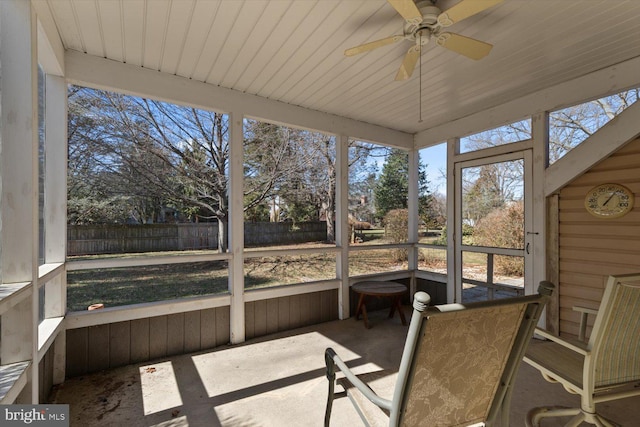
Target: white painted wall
{"points": [[18, 176]]}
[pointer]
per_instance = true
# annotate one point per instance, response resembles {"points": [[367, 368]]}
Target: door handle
{"points": [[535, 233]]}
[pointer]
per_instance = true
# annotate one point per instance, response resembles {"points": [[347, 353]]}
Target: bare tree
{"points": [[489, 187], [137, 159], [294, 168], [570, 126], [160, 155]]}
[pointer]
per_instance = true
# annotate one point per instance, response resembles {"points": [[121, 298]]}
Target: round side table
{"points": [[379, 289]]}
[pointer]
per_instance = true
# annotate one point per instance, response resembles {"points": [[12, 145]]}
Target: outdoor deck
{"points": [[274, 381]]}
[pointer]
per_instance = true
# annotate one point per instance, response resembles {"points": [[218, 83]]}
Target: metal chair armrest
{"points": [[584, 312], [332, 357], [577, 347]]}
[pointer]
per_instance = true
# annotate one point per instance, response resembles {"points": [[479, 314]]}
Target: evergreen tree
{"points": [[393, 186], [392, 189]]}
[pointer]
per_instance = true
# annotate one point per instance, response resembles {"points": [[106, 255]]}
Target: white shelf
{"points": [[13, 378], [47, 272], [12, 294], [48, 330]]}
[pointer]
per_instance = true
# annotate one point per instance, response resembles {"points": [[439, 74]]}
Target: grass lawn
{"points": [[132, 285]]}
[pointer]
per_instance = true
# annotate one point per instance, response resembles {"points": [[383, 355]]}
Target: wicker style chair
{"points": [[605, 368], [457, 368]]}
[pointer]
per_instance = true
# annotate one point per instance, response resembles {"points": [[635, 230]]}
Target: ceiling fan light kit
{"points": [[424, 21]]}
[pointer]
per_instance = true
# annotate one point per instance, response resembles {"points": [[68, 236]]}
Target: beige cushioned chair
{"points": [[605, 368], [457, 367]]}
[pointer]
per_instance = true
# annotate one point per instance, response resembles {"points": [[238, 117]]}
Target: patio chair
{"points": [[605, 368], [457, 367]]}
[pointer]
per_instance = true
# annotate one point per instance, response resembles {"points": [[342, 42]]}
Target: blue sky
{"points": [[436, 160]]}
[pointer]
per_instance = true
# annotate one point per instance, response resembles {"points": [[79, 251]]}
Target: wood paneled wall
{"points": [[591, 249], [280, 314], [45, 375], [436, 290], [95, 348]]}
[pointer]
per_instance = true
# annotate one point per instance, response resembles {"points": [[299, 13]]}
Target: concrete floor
{"points": [[275, 381]]}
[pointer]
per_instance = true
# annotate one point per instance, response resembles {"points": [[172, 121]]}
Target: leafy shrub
{"points": [[433, 258], [442, 240], [396, 230], [467, 235], [503, 227]]}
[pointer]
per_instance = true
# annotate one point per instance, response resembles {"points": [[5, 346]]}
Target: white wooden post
{"points": [[453, 148], [540, 136], [413, 217], [531, 231], [342, 224], [236, 227], [56, 170], [55, 209], [19, 177]]}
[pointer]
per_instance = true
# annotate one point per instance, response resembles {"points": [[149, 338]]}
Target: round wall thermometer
{"points": [[609, 201]]}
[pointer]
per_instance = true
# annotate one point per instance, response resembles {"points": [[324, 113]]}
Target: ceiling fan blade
{"points": [[463, 10], [471, 48], [408, 63], [408, 10], [372, 45]]}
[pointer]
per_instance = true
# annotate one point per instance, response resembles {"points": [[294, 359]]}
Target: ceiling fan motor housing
{"points": [[429, 12], [421, 32]]}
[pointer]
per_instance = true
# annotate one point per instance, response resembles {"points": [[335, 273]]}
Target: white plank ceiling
{"points": [[292, 50]]}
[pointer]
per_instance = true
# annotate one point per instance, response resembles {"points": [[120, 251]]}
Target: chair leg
{"points": [[331, 376], [505, 409], [599, 421], [536, 414], [327, 412], [576, 421]]}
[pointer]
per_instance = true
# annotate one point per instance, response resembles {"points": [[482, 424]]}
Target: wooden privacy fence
{"points": [[114, 238], [282, 233]]}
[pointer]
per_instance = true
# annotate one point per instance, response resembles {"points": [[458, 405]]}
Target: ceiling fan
{"points": [[424, 21]]}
